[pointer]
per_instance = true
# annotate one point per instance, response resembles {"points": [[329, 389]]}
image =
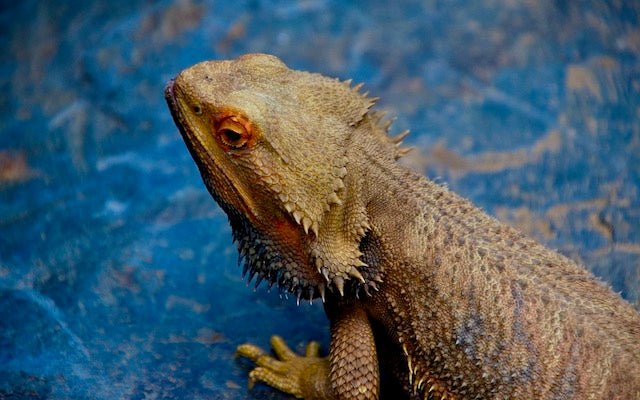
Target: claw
{"points": [[286, 370]]}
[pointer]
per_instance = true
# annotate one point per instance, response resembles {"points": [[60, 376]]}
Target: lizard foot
{"points": [[302, 376]]}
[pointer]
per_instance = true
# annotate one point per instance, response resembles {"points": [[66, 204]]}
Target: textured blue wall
{"points": [[118, 278]]}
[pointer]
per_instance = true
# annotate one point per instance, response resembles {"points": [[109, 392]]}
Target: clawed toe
{"points": [[287, 371]]}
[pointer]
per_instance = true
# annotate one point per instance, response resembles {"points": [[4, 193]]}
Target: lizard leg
{"points": [[349, 372], [304, 377], [353, 357]]}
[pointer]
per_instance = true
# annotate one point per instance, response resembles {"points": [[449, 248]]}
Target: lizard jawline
{"points": [[199, 152]]}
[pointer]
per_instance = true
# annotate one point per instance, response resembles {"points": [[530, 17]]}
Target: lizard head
{"points": [[270, 144]]}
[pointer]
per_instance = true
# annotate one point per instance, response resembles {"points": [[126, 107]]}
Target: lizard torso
{"points": [[451, 302]]}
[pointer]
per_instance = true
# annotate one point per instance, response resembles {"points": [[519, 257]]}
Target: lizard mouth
{"points": [[174, 108], [215, 176], [170, 97]]}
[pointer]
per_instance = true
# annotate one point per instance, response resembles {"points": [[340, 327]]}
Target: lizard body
{"points": [[449, 301]]}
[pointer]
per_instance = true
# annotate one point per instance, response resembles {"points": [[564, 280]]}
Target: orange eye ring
{"points": [[232, 133]]}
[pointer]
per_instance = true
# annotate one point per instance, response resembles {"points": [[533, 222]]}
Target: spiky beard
{"points": [[261, 258]]}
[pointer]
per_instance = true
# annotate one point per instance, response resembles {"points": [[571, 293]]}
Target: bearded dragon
{"points": [[415, 280]]}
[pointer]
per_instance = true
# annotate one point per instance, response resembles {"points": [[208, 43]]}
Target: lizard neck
{"points": [[399, 204]]}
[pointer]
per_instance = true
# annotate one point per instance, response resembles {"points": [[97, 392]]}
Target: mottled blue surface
{"points": [[118, 278]]}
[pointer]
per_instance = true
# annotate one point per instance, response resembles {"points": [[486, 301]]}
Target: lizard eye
{"points": [[232, 133]]}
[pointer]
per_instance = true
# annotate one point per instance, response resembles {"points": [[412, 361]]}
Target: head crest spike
{"points": [[388, 123], [403, 151], [400, 137]]}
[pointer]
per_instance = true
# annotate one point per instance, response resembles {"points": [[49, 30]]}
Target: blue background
{"points": [[118, 278]]}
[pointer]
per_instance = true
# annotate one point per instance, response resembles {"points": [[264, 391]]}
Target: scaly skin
{"points": [[450, 302]]}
